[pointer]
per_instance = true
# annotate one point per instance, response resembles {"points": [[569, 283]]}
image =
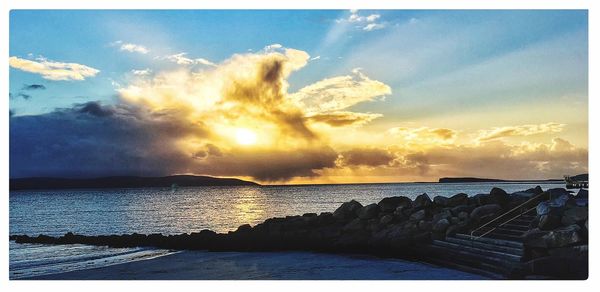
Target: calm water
{"points": [[185, 210]]}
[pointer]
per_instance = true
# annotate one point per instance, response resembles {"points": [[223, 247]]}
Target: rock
{"points": [[368, 212], [392, 203], [529, 192], [559, 237], [498, 196], [386, 219], [444, 214], [441, 226], [422, 201], [549, 222], [454, 220], [458, 199], [348, 210], [425, 225], [582, 194], [570, 251], [458, 228], [485, 211], [419, 215], [461, 208], [399, 238], [557, 192], [354, 225], [463, 216], [480, 199], [441, 201], [574, 215], [244, 228], [549, 207]]}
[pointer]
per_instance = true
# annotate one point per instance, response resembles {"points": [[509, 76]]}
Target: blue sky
{"points": [[470, 71]]}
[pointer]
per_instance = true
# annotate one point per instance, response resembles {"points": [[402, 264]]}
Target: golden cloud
{"points": [[523, 130], [53, 70]]}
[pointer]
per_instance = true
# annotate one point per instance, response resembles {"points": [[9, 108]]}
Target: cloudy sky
{"points": [[299, 96]]}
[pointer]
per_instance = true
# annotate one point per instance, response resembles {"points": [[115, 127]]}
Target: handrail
{"points": [[507, 212], [511, 219]]}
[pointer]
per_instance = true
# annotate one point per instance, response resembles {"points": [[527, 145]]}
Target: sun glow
{"points": [[245, 137]]}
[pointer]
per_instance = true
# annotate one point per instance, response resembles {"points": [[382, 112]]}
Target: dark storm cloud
{"points": [[95, 140], [33, 87], [91, 139], [367, 157], [270, 165]]}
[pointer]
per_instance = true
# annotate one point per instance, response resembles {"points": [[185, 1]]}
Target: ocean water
{"points": [[183, 210]]}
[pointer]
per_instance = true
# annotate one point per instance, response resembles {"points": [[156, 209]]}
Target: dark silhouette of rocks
{"points": [[394, 227], [45, 183]]}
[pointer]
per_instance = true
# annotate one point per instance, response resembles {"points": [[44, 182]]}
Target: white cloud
{"points": [[339, 93], [143, 72], [52, 70], [181, 59], [272, 47], [133, 48], [373, 26], [366, 23], [315, 58]]}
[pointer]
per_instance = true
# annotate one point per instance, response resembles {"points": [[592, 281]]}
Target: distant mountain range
{"points": [[476, 179], [38, 183]]}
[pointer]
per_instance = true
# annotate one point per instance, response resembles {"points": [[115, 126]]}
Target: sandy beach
{"points": [[199, 265]]}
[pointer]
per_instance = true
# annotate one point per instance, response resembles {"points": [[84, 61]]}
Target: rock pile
{"points": [[558, 238]]}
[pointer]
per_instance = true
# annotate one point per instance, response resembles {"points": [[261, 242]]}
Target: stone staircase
{"points": [[497, 255]]}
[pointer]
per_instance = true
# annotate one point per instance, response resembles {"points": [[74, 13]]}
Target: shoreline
{"points": [[551, 242], [289, 265]]}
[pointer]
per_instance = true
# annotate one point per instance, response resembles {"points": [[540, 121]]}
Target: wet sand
{"points": [[200, 265]]}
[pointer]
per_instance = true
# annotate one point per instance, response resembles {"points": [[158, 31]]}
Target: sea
{"points": [[180, 210]]}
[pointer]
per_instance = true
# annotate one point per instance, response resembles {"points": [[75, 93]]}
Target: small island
{"points": [[47, 183]]}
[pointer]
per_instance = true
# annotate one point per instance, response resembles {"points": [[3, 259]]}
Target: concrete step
{"points": [[516, 227], [477, 250], [508, 231], [505, 237], [500, 242], [474, 260], [478, 244], [499, 230]]}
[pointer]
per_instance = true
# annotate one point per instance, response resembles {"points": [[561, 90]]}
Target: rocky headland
{"points": [[554, 244]]}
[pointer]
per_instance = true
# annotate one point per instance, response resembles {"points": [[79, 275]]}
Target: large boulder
{"points": [[422, 201], [444, 214], [461, 208], [386, 219], [480, 199], [559, 237], [498, 196], [557, 192], [425, 225], [550, 208], [441, 201], [582, 194], [419, 215], [458, 199], [348, 210], [549, 222], [368, 212], [392, 203], [354, 225], [441, 226], [574, 215], [485, 212]]}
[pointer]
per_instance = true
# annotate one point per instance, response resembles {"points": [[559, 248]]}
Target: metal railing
{"points": [[521, 207]]}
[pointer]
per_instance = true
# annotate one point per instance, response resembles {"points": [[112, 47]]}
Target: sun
{"points": [[245, 137]]}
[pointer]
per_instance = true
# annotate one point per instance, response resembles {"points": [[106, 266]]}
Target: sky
{"points": [[299, 96]]}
